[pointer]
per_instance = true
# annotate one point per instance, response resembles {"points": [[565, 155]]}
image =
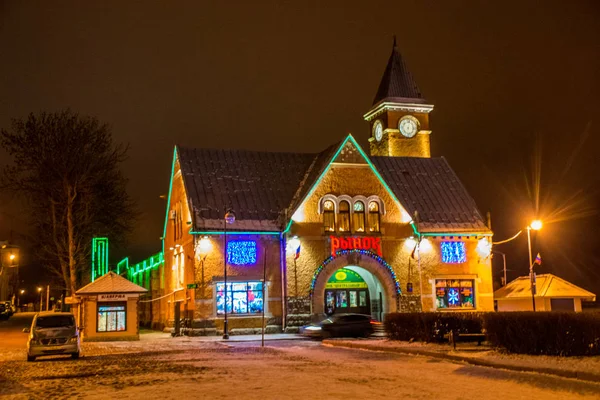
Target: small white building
{"points": [[553, 294]]}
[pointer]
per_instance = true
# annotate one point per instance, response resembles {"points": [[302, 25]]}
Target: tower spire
{"points": [[397, 81]]}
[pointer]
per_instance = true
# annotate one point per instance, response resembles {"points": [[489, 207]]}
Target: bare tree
{"points": [[67, 167]]}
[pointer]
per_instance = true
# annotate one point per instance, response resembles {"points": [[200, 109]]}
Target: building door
{"points": [[347, 292]]}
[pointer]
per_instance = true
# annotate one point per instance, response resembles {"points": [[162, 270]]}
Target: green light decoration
{"points": [[123, 265], [99, 257], [135, 272]]}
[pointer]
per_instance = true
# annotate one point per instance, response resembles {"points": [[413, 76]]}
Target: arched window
{"points": [[358, 217], [344, 217], [374, 219], [328, 216]]}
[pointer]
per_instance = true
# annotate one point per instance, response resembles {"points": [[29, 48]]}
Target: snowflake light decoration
{"points": [[453, 297]]}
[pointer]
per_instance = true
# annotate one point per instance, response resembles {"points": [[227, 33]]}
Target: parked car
{"points": [[5, 312], [53, 333], [11, 307], [340, 325]]}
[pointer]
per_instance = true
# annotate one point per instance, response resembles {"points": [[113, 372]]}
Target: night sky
{"points": [[515, 87]]}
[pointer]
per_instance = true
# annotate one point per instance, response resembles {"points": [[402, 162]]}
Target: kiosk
{"points": [[107, 309]]}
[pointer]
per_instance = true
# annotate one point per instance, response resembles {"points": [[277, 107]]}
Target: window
{"points": [[112, 317], [453, 252], [242, 298], [374, 221], [329, 216], [358, 217], [344, 217], [454, 293]]}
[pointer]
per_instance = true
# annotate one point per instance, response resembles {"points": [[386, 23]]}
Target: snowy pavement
{"points": [[173, 368]]}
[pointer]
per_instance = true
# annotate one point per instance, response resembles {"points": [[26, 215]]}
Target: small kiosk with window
{"points": [[107, 309]]}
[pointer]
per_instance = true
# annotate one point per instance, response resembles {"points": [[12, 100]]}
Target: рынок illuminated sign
{"points": [[360, 243]]}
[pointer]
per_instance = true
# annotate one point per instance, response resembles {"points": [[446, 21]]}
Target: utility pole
{"points": [[47, 297]]}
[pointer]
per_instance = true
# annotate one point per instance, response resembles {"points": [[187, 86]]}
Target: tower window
{"points": [[358, 217], [344, 217], [374, 217], [328, 216]]}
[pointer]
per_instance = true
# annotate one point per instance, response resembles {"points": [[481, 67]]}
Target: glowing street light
{"points": [[229, 218], [536, 225]]}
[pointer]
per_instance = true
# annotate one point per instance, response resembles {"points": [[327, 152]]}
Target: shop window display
{"points": [[242, 298], [454, 293], [112, 317]]}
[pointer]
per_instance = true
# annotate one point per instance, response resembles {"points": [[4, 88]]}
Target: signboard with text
{"points": [[360, 243], [112, 297]]}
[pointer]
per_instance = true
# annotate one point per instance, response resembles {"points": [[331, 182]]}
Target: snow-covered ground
{"points": [[587, 364], [158, 367]]}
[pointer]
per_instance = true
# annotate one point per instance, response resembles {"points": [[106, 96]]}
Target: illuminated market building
{"points": [[390, 229]]}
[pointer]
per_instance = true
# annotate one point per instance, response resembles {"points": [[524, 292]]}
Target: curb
{"points": [[581, 375]]}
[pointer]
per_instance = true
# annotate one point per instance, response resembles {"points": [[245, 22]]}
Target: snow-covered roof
{"points": [[111, 283], [547, 285]]}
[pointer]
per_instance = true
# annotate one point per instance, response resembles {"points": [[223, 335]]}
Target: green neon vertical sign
{"points": [[99, 257]]}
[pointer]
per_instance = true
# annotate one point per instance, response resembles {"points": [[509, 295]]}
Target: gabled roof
{"points": [[397, 83], [430, 186], [258, 186], [111, 283], [265, 188], [548, 285]]}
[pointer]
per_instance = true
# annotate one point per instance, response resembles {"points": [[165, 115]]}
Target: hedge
{"points": [[549, 333], [430, 326]]}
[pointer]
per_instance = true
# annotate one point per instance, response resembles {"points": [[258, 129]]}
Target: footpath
{"points": [[583, 368]]}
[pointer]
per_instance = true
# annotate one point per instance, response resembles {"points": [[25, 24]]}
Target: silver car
{"points": [[53, 333]]}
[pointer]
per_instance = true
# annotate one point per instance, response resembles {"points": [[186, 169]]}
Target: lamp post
{"points": [[228, 219], [21, 292], [504, 262], [205, 247], [536, 225], [39, 289], [294, 245]]}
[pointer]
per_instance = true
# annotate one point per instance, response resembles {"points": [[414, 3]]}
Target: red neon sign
{"points": [[350, 243]]}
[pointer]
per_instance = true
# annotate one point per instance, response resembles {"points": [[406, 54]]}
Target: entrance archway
{"points": [[382, 283]]}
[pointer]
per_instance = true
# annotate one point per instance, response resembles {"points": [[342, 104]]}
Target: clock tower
{"points": [[399, 117]]}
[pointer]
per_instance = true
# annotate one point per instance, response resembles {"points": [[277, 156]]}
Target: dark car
{"points": [[341, 325], [5, 311]]}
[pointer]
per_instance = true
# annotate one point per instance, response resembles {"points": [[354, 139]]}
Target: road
{"points": [[173, 368], [11, 331]]}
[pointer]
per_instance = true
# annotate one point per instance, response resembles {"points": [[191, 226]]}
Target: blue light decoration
{"points": [[454, 252], [453, 297], [374, 256], [241, 252]]}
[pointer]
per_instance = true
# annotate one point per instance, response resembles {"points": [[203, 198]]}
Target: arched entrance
{"points": [[341, 280]]}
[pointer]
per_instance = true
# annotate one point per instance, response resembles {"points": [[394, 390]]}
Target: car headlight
{"points": [[313, 328], [73, 339]]}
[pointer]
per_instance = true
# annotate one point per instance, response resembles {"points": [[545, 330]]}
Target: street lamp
{"points": [[21, 292], [228, 219], [39, 289], [294, 248], [536, 225], [204, 248]]}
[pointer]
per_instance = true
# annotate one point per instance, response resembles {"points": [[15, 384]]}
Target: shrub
{"points": [[430, 326], [550, 333]]}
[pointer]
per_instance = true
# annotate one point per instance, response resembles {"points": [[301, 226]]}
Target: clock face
{"points": [[378, 130], [408, 127]]}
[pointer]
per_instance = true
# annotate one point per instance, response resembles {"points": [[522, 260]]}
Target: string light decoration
{"points": [[99, 257], [241, 252], [374, 256], [454, 252]]}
